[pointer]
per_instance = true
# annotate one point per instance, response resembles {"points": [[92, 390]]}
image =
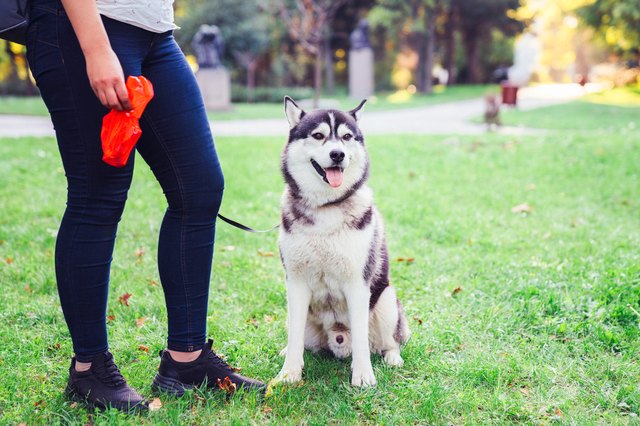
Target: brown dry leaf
{"points": [[140, 252], [22, 424], [265, 253], [124, 299], [111, 318], [456, 291], [267, 410], [143, 348], [153, 283], [558, 412], [140, 321], [9, 260], [400, 259], [418, 320], [27, 288], [155, 405], [522, 208], [74, 404], [411, 259], [227, 385]]}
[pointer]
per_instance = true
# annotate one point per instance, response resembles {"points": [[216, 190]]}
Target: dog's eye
{"points": [[347, 136], [317, 136]]}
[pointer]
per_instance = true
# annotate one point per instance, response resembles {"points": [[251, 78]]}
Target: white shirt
{"points": [[151, 15]]}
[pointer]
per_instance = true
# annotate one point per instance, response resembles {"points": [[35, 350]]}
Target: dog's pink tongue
{"points": [[334, 176]]}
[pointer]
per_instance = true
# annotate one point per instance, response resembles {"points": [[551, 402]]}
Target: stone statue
{"points": [[359, 38], [208, 46]]}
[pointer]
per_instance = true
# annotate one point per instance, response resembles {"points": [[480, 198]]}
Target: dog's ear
{"points": [[293, 112], [356, 113]]}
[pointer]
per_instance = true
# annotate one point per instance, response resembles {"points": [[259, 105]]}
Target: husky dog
{"points": [[333, 248]]}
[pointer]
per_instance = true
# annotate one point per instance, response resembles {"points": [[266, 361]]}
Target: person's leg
{"points": [[96, 191], [177, 144], [96, 196]]}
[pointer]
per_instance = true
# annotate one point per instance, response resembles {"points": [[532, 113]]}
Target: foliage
{"points": [[618, 23], [270, 94]]}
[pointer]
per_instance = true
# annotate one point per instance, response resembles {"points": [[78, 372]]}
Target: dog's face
{"points": [[325, 156]]}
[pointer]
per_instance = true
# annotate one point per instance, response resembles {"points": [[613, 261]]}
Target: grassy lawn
{"points": [[523, 318], [382, 101], [601, 112]]}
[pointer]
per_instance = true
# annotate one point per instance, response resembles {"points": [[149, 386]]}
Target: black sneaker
{"points": [[176, 377], [102, 386]]}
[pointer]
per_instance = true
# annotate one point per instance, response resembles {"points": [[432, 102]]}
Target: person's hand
{"points": [[107, 79]]}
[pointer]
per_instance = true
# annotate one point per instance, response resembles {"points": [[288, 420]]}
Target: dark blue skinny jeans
{"points": [[177, 145]]}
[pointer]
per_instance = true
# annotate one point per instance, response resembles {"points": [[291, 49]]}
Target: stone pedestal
{"points": [[215, 85], [361, 83]]}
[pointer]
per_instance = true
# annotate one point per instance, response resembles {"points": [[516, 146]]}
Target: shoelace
{"points": [[109, 374], [219, 362]]}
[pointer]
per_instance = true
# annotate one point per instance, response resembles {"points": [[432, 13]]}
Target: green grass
{"points": [[603, 112], [382, 101], [541, 331]]}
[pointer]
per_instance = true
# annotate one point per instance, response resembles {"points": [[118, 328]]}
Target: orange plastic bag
{"points": [[120, 129]]}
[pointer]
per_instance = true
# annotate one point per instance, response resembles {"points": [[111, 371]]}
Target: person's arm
{"points": [[103, 67]]}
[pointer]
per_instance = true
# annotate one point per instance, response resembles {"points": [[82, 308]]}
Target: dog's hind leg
{"points": [[298, 298], [385, 321]]}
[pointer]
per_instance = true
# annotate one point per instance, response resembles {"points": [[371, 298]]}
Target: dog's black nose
{"points": [[339, 337], [337, 156]]}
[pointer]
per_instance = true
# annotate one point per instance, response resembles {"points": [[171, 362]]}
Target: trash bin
{"points": [[509, 93]]}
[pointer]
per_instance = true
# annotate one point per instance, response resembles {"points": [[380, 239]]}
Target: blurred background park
{"points": [[420, 47], [514, 252]]}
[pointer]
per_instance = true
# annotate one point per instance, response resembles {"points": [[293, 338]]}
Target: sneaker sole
{"points": [[99, 405], [169, 385]]}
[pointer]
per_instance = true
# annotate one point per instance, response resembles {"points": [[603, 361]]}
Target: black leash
{"points": [[243, 227]]}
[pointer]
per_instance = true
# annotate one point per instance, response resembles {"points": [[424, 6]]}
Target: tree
{"points": [[244, 26], [477, 18], [617, 21], [417, 20], [307, 23]]}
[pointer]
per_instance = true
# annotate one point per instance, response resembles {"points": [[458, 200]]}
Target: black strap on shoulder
{"points": [[243, 227]]}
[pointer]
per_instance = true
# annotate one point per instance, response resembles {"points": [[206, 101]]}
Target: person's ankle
{"points": [[184, 356], [82, 366]]}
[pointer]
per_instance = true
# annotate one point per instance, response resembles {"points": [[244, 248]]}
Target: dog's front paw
{"points": [[289, 375], [363, 376], [393, 358]]}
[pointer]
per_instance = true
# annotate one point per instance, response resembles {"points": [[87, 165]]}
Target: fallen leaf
{"points": [[558, 412], [267, 410], [139, 252], [143, 348], [27, 288], [418, 320], [9, 260], [111, 318], [74, 404], [525, 391], [400, 259], [227, 385], [124, 299], [140, 321], [522, 208], [456, 291], [155, 405], [153, 283], [253, 321], [265, 253], [410, 259]]}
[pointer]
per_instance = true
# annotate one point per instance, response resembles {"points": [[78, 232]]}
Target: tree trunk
{"points": [[317, 76], [473, 58], [251, 79], [328, 65], [450, 46], [422, 61], [429, 52]]}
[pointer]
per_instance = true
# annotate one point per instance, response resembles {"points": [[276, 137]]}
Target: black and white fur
{"points": [[333, 248]]}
